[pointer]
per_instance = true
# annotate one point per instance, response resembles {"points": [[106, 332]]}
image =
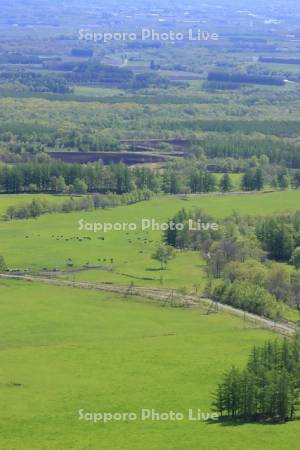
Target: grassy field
{"points": [[285, 68], [64, 349], [97, 91], [48, 242], [236, 179], [14, 200]]}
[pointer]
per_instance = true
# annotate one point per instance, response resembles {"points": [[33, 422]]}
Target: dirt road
{"points": [[163, 295]]}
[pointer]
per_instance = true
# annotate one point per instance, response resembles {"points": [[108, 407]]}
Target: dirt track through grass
{"points": [[169, 297]]}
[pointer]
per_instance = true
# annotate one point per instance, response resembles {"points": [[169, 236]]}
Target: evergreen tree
{"points": [[3, 266], [225, 183]]}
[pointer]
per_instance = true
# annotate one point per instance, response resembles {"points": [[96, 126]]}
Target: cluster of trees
{"points": [[82, 52], [94, 72], [246, 275], [241, 268], [244, 78], [280, 128], [239, 238], [149, 79], [86, 72], [179, 233], [277, 279], [277, 176], [19, 58], [193, 181], [190, 175], [193, 176], [38, 207], [245, 146], [267, 389], [248, 297], [280, 236], [38, 82], [58, 177], [183, 176], [214, 85], [24, 141], [277, 60], [253, 180], [245, 281]]}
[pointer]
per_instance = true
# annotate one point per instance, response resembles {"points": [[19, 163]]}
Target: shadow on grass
{"points": [[151, 269], [228, 422]]}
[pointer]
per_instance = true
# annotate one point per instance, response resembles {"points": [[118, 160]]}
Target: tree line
{"points": [[38, 82], [38, 207], [244, 78], [181, 176], [58, 177], [280, 128], [240, 146], [280, 235]]}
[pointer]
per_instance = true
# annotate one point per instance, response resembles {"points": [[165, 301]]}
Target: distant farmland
{"points": [[129, 158]]}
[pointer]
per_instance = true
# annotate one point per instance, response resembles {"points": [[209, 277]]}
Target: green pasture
{"points": [[51, 240], [64, 349], [7, 200]]}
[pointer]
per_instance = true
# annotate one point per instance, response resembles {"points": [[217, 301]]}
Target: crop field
{"points": [[63, 350], [51, 241]]}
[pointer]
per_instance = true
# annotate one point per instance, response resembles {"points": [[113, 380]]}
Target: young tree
{"points": [[296, 179], [225, 183], [36, 208], [253, 179], [277, 238], [58, 184], [163, 254], [3, 266], [258, 180], [283, 180], [80, 187], [295, 260]]}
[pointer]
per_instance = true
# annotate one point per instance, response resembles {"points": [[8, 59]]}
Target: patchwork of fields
{"points": [[149, 225]]}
